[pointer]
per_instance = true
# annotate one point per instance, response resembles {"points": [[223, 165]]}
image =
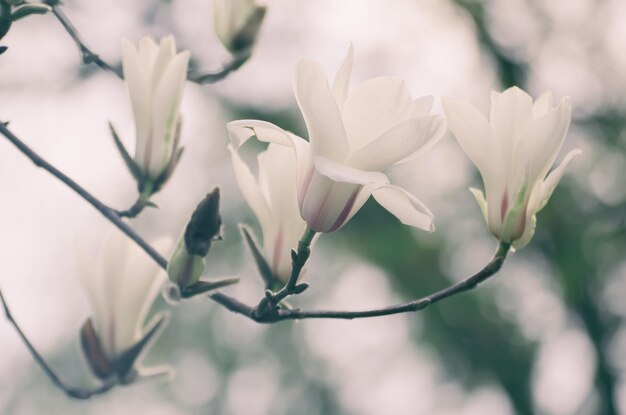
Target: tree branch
{"points": [[266, 312], [106, 211], [72, 392], [88, 56], [465, 285], [213, 77]]}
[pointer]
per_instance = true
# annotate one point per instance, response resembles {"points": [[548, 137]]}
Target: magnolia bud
{"points": [[237, 23], [185, 269], [187, 263]]}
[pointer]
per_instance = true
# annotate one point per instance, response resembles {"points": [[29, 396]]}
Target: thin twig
{"points": [[106, 211], [268, 312], [275, 314], [87, 55], [213, 77], [71, 391], [467, 284]]}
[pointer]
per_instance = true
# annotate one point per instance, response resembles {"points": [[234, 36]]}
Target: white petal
{"points": [[374, 107], [398, 143], [241, 131], [341, 173], [511, 112], [250, 190], [140, 95], [529, 232], [421, 106], [543, 104], [327, 135], [473, 133], [148, 51], [480, 199], [554, 178], [543, 140], [342, 80], [327, 203], [166, 52], [406, 207], [166, 104]]}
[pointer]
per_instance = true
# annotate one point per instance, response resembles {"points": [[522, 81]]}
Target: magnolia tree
{"points": [[303, 187]]}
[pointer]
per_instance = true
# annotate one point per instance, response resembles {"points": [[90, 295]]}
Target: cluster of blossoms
{"points": [[304, 187]]}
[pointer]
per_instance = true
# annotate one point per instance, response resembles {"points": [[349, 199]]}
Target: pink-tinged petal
{"points": [[398, 143], [404, 206], [374, 107], [342, 80], [327, 203], [327, 135], [332, 193]]}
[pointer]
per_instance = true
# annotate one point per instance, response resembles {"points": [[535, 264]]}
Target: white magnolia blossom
{"points": [[273, 199], [514, 154], [352, 139], [121, 286], [237, 23], [155, 75]]}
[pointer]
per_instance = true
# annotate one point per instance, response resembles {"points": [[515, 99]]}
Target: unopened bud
{"points": [[237, 23], [183, 268], [187, 263]]}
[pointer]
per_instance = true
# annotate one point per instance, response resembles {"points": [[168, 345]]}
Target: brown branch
{"points": [[71, 391], [89, 56]]}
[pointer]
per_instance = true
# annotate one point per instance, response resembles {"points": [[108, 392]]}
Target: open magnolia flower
{"points": [[273, 199], [352, 139], [514, 155], [237, 23], [155, 75], [121, 286]]}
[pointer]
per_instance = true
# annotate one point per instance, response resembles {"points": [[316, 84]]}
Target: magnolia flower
{"points": [[121, 286], [237, 23], [155, 76], [514, 153], [272, 197], [352, 138]]}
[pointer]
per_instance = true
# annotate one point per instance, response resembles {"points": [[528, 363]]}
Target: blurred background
{"points": [[547, 335]]}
